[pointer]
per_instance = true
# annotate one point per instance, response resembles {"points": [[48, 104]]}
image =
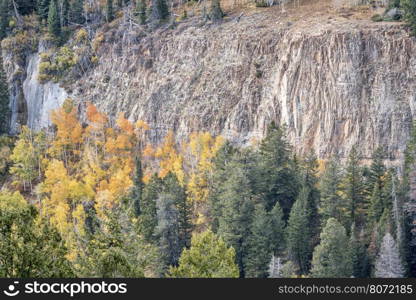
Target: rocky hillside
{"points": [[335, 79]]}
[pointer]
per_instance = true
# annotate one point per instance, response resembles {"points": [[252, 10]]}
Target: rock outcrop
{"points": [[334, 83]]}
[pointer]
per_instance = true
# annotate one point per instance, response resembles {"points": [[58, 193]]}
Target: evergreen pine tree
{"points": [[109, 11], [141, 11], [332, 204], [410, 14], [221, 168], [54, 24], [331, 258], [277, 223], [160, 10], [4, 18], [216, 11], [65, 13], [77, 12], [236, 211], [116, 249], [4, 101], [354, 190], [137, 190], [377, 170], [208, 257], [148, 216], [310, 178], [167, 230], [376, 205], [173, 187], [258, 244], [29, 246], [298, 232], [388, 263], [278, 180], [359, 257], [43, 10]]}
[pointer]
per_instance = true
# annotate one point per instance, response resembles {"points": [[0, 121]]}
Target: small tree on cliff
{"points": [[65, 12], [160, 10], [109, 11], [54, 24], [141, 11], [4, 18], [410, 14], [216, 11]]}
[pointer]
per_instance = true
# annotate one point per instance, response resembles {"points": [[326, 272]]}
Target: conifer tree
{"points": [[216, 12], [220, 173], [310, 178], [43, 9], [237, 211], [331, 258], [148, 216], [410, 14], [359, 258], [4, 101], [332, 204], [172, 186], [116, 249], [354, 190], [137, 189], [298, 232], [160, 10], [167, 229], [258, 244], [277, 223], [376, 205], [54, 24], [388, 263], [65, 13], [109, 11], [4, 18], [208, 257], [77, 12], [377, 170], [141, 11], [29, 246], [278, 180]]}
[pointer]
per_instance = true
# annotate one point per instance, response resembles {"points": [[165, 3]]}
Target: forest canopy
{"points": [[107, 202]]}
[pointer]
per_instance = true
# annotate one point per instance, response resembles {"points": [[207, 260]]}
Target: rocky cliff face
{"points": [[30, 101], [334, 83]]}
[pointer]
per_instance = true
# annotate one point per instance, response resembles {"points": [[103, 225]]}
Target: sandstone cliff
{"points": [[335, 82]]}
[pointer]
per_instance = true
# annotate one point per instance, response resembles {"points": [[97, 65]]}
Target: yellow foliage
{"points": [[81, 35], [170, 159], [104, 201], [140, 124], [148, 151], [124, 124], [199, 152]]}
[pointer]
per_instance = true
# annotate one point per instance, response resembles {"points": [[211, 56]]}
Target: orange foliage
{"points": [[125, 125]]}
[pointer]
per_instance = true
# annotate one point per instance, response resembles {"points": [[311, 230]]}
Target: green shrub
{"points": [[377, 18]]}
